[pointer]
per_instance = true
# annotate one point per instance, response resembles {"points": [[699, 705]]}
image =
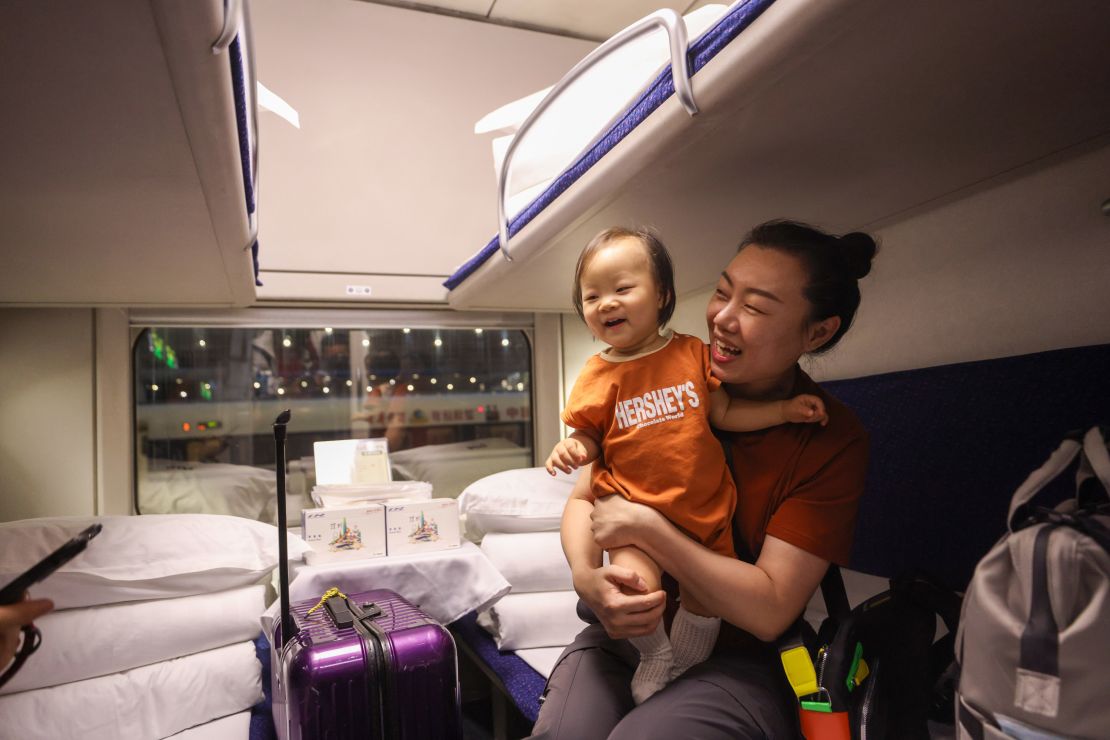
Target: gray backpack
{"points": [[1034, 637]]}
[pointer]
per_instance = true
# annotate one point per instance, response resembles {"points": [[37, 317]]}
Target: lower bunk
{"points": [[949, 445]]}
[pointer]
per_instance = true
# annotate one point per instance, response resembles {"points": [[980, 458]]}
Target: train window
{"points": [[453, 403]]}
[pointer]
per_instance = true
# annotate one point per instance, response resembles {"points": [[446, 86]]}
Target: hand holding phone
{"points": [[17, 615], [14, 591]]}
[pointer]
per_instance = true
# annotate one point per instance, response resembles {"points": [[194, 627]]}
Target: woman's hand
{"points": [[617, 522], [622, 615], [12, 619]]}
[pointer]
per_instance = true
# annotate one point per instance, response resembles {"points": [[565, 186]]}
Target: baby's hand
{"points": [[567, 456], [805, 409]]}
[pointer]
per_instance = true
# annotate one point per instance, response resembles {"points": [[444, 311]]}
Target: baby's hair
{"points": [[661, 267]]}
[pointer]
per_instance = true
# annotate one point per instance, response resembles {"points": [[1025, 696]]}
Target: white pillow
{"points": [[152, 556], [522, 500]]}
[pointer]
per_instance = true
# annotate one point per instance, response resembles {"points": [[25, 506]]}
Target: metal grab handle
{"points": [[232, 9], [666, 19]]}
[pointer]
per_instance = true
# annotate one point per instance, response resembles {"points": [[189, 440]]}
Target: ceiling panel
{"points": [[473, 7], [580, 17]]}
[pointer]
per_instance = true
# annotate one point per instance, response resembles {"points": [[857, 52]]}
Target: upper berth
{"points": [[129, 153], [851, 113]]}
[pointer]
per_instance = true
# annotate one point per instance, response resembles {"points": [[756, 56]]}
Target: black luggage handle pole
{"points": [[283, 544]]}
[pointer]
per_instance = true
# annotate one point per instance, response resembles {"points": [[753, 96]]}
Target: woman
{"points": [[789, 290]]}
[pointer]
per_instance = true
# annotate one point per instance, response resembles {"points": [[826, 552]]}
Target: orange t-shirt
{"points": [[650, 415], [802, 483]]}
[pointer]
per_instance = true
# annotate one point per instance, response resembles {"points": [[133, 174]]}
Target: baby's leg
{"points": [[693, 633], [656, 659]]}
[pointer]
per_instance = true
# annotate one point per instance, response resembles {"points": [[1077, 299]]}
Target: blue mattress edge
{"points": [[238, 87], [701, 50], [522, 681]]}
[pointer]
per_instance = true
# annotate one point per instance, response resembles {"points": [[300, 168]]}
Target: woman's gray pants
{"points": [[736, 693]]}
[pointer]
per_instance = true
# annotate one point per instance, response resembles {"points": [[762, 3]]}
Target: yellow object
{"points": [[330, 593], [862, 671], [799, 670]]}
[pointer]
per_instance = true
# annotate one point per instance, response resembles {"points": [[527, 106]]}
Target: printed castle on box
{"points": [[426, 530], [348, 538]]}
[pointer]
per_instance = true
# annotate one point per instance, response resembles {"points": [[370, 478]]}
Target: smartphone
{"points": [[13, 592]]}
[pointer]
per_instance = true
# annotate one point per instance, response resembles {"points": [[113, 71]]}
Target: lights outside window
{"points": [[473, 379], [438, 342], [257, 385], [281, 391], [505, 342], [327, 330], [154, 387], [184, 394], [450, 386], [326, 389], [410, 387], [406, 330], [432, 381], [287, 342], [202, 344], [365, 342], [478, 332]]}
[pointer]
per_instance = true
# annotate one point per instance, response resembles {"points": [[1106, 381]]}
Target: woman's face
{"points": [[759, 322]]}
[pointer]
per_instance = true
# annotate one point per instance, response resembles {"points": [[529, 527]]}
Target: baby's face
{"points": [[620, 299]]}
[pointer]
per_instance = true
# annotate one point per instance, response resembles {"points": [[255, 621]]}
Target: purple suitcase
{"points": [[368, 665]]}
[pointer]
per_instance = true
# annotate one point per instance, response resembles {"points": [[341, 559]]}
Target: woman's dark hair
{"points": [[660, 261], [834, 264]]}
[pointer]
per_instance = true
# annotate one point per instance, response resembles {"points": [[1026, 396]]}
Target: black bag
{"points": [[880, 663]]}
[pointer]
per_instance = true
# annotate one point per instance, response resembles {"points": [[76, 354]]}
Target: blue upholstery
{"points": [[704, 48], [238, 87], [262, 718], [950, 445], [523, 684]]}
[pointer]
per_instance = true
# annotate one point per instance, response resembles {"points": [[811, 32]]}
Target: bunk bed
{"points": [[130, 174], [816, 108], [857, 114]]}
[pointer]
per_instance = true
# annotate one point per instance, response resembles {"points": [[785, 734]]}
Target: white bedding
{"points": [[96, 641], [541, 659], [445, 584], [234, 727], [149, 702], [582, 111], [172, 487], [450, 468], [543, 619], [530, 561]]}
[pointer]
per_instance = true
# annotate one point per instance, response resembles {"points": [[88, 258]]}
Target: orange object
{"points": [[824, 725]]}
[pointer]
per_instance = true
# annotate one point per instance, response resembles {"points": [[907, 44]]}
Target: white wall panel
{"points": [[47, 456], [1018, 268]]}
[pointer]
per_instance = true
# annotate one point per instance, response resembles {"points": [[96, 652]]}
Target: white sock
{"points": [[692, 637], [656, 664]]}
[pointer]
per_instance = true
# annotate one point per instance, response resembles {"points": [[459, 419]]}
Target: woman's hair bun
{"points": [[858, 250]]}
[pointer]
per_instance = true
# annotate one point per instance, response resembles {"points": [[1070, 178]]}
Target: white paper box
{"points": [[347, 533], [421, 526], [352, 461], [338, 495]]}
